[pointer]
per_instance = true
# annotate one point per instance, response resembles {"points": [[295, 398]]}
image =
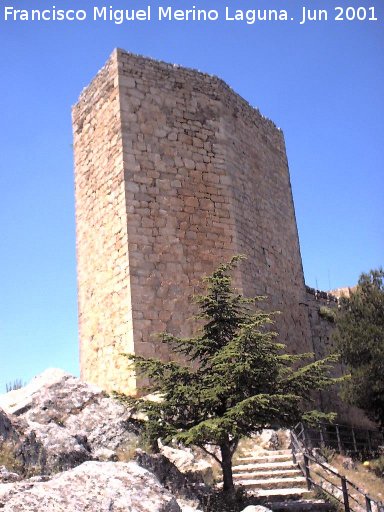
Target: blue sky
{"points": [[321, 82]]}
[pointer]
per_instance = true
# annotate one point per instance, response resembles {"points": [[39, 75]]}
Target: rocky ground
{"points": [[66, 446]]}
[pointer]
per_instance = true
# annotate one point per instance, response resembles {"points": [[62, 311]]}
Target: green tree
{"points": [[243, 381], [359, 336]]}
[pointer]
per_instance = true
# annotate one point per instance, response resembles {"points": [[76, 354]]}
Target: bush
{"points": [[9, 459], [16, 384], [328, 453], [221, 501], [377, 466], [327, 313]]}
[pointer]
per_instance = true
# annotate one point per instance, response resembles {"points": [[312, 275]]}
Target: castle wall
{"points": [[320, 306], [175, 173], [104, 301], [264, 216], [179, 216]]}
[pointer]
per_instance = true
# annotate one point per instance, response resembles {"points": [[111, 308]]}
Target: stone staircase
{"points": [[273, 476]]}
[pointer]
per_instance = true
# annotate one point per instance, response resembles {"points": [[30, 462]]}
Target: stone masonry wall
{"points": [[105, 318], [318, 305], [263, 212], [175, 173]]}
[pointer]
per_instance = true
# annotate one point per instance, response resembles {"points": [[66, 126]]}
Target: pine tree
{"points": [[360, 339], [243, 382]]}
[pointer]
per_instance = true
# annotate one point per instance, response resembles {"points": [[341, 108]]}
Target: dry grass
{"points": [[14, 464], [9, 459], [361, 477], [126, 453], [245, 447], [367, 481]]}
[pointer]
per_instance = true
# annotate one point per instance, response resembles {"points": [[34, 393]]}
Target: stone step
{"points": [[289, 493], [271, 483], [276, 473], [299, 506], [263, 453], [265, 465], [265, 458], [273, 476]]}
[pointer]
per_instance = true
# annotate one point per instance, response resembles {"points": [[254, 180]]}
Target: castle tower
{"points": [[174, 174]]}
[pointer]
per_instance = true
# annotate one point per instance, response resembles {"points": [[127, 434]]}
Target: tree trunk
{"points": [[226, 466]]}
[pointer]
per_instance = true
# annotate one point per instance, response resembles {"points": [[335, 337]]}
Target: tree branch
{"points": [[234, 446], [211, 454]]}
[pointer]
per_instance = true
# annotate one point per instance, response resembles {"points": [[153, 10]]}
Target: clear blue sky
{"points": [[322, 83]]}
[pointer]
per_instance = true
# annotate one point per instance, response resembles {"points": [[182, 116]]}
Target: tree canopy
{"points": [[243, 380], [360, 339]]}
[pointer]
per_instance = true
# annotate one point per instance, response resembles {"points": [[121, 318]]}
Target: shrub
{"points": [[377, 466], [221, 501], [16, 384], [327, 313]]}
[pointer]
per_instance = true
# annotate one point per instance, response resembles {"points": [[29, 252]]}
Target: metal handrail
{"points": [[299, 450], [343, 438]]}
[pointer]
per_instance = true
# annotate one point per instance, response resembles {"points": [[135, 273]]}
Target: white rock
{"points": [[186, 461], [64, 422], [17, 399], [186, 507], [180, 458], [256, 508], [94, 487], [8, 476], [268, 439]]}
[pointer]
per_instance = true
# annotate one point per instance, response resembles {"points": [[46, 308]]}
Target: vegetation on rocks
{"points": [[16, 384], [241, 380], [56, 422], [327, 313], [9, 458], [377, 466]]}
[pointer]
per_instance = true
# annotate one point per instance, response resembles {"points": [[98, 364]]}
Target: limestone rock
{"points": [[168, 474], [16, 448], [256, 508], [348, 463], [186, 461], [90, 487], [8, 476], [7, 430], [268, 439], [18, 400], [59, 422]]}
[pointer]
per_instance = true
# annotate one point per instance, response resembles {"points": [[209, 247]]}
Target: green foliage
{"points": [[377, 466], [243, 382], [327, 313], [12, 458], [360, 339], [9, 458], [334, 503], [221, 501], [328, 453]]}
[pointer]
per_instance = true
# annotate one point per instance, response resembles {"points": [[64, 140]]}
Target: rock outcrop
{"points": [[65, 446], [189, 463], [57, 422], [8, 431], [91, 487]]}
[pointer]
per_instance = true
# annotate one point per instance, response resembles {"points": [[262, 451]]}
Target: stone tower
{"points": [[174, 174]]}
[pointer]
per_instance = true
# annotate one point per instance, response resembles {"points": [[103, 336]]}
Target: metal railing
{"points": [[342, 438], [321, 476]]}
